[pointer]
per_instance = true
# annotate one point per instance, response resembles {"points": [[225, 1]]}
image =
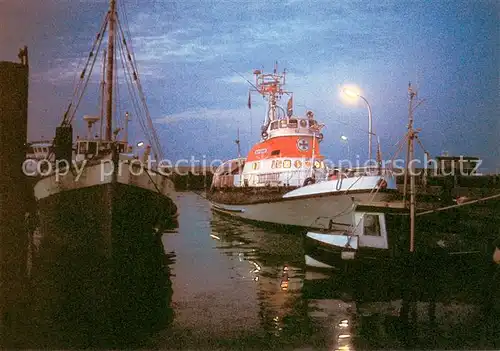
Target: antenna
{"points": [[237, 142]]}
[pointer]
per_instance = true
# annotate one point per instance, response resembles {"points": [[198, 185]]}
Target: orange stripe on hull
{"points": [[285, 146]]}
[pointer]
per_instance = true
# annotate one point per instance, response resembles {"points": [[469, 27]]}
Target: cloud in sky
{"points": [[187, 52]]}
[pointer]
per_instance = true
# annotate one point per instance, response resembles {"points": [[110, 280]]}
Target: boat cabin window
{"points": [[275, 152], [292, 123], [274, 125], [303, 123], [371, 225], [82, 147], [283, 123]]}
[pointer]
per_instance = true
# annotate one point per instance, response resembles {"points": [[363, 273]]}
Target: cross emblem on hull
{"points": [[302, 145]]}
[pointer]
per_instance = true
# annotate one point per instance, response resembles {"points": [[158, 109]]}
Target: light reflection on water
{"points": [[239, 286]]}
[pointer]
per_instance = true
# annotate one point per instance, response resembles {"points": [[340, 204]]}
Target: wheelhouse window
{"points": [[274, 125], [104, 145], [371, 225], [283, 123], [82, 147], [292, 123]]}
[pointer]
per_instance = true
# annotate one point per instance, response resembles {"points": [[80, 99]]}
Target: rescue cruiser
{"points": [[284, 181]]}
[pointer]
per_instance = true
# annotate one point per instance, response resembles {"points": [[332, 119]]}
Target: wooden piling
{"points": [[14, 192]]}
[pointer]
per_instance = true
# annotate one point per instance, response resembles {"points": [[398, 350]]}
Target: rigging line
{"points": [[77, 91], [128, 31], [150, 122], [401, 144], [155, 142], [421, 145], [118, 106], [99, 38], [134, 96], [152, 132], [76, 79], [136, 104], [102, 87], [117, 114], [86, 83], [238, 73]]}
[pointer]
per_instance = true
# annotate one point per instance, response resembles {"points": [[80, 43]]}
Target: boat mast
{"points": [[103, 94], [270, 87], [109, 70], [237, 142], [410, 168]]}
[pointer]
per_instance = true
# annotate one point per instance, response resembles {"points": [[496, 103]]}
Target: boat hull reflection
{"points": [[85, 297], [363, 306]]}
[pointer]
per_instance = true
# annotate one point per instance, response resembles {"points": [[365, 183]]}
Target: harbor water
{"points": [[236, 286]]}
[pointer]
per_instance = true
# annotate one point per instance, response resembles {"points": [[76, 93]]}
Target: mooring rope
{"points": [[458, 205]]}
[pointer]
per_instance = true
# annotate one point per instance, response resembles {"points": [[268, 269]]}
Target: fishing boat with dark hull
{"points": [[384, 232], [100, 188], [382, 237], [284, 181]]}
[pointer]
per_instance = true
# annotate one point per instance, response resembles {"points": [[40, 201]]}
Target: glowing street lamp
{"points": [[353, 94]]}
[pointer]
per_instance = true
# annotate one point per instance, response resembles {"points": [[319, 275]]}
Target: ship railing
{"points": [[363, 172], [287, 178]]}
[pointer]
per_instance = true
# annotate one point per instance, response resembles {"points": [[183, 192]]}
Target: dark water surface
{"points": [[227, 285], [238, 286]]}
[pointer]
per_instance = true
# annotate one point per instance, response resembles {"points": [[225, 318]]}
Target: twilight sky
{"points": [[188, 52]]}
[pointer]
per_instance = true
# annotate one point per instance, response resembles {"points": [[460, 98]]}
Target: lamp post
{"points": [[346, 140], [354, 94]]}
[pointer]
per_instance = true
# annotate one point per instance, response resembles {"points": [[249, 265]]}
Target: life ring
{"points": [[264, 135], [382, 184], [309, 181]]}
